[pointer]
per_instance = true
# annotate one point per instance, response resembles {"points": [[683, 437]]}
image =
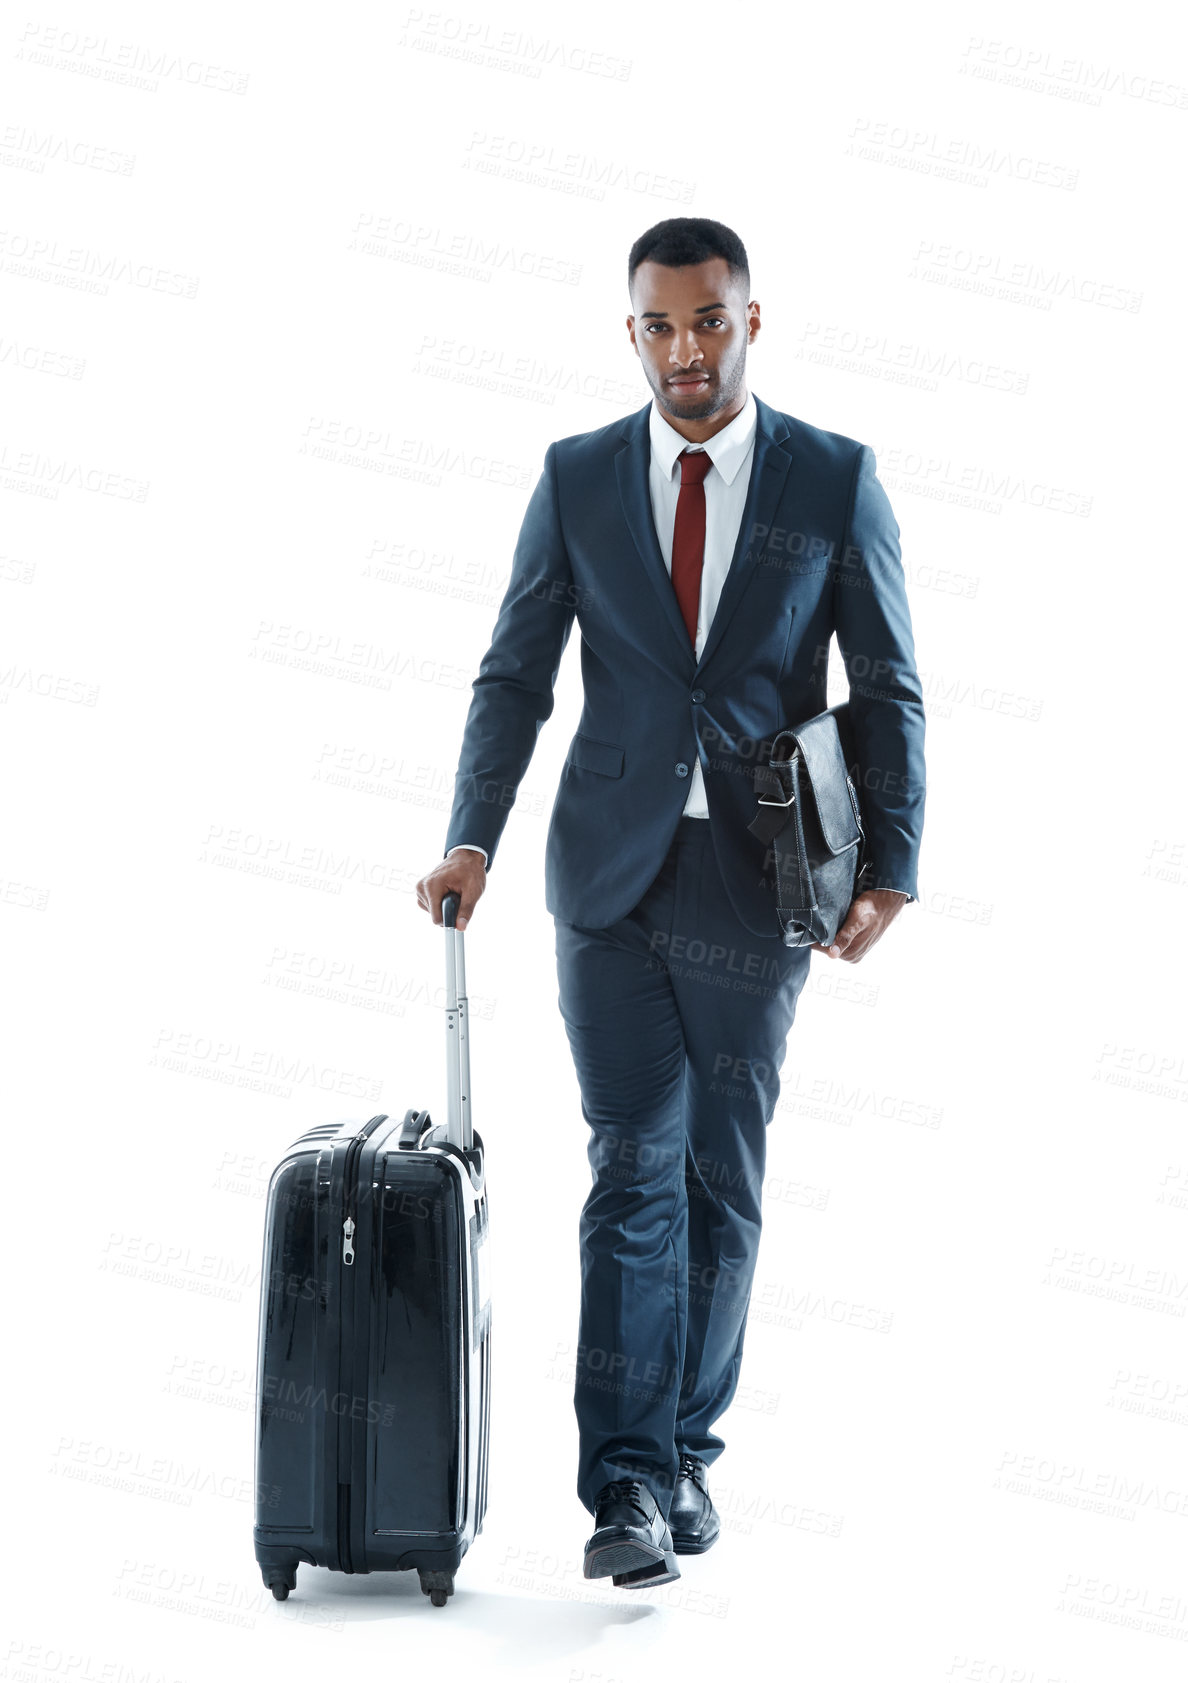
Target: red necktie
{"points": [[688, 536]]}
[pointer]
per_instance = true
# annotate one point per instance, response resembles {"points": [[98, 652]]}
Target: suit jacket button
{"points": [[682, 769], [698, 695]]}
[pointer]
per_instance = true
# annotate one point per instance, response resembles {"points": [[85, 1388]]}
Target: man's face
{"points": [[691, 329]]}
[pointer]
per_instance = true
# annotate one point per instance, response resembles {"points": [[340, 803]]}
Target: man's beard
{"points": [[721, 393]]}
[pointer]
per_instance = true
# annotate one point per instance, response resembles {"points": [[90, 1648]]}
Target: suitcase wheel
{"points": [[280, 1580], [438, 1586]]}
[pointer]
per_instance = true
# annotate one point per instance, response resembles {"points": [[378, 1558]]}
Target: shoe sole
{"points": [[663, 1571], [629, 1563]]}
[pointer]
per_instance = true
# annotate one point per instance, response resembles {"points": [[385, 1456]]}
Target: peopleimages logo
{"points": [[282, 1399]]}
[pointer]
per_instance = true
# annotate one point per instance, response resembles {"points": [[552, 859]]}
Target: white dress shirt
{"points": [[731, 451]]}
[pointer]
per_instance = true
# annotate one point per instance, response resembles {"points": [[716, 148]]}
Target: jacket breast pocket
{"points": [[588, 754]]}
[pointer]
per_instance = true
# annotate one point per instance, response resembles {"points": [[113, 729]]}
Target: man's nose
{"points": [[685, 350]]}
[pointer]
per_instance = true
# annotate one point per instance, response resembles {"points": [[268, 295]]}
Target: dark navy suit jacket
{"points": [[817, 553]]}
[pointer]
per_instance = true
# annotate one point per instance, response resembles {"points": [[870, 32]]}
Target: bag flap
{"points": [[824, 762]]}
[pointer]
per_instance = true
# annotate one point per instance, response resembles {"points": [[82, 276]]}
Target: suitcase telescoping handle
{"points": [[458, 1129]]}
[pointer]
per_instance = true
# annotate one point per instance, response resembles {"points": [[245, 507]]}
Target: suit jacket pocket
{"points": [[588, 754]]}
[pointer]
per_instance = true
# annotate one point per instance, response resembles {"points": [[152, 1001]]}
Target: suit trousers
{"points": [[677, 1018]]}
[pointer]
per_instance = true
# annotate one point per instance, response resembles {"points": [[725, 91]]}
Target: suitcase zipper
{"points": [[350, 1163], [348, 1187]]}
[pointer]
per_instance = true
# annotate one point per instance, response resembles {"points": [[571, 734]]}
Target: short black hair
{"points": [[683, 240]]}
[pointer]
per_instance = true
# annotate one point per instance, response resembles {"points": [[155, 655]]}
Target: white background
{"points": [[294, 302]]}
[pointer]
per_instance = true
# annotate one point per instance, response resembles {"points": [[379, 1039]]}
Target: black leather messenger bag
{"points": [[810, 820]]}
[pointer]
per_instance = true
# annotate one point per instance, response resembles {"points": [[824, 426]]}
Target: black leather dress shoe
{"points": [[632, 1544], [692, 1516]]}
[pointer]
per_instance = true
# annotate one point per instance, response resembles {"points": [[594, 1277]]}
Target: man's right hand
{"points": [[464, 874]]}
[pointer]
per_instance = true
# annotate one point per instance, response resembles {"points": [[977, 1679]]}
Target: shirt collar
{"points": [[727, 449]]}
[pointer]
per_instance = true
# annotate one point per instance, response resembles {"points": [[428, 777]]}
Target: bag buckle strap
{"points": [[777, 778]]}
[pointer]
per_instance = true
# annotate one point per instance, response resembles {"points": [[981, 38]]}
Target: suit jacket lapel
{"points": [[632, 461], [769, 470]]}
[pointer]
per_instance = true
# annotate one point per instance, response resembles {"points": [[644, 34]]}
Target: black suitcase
{"points": [[373, 1382]]}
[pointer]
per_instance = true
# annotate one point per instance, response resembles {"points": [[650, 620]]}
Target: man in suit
{"points": [[708, 547]]}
